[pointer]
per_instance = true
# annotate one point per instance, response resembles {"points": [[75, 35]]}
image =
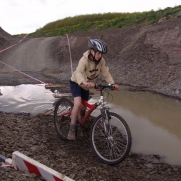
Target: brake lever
{"points": [[113, 87]]}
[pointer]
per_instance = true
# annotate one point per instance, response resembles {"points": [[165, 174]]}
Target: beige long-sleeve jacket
{"points": [[89, 71]]}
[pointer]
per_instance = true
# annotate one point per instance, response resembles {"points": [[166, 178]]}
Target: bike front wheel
{"points": [[110, 138], [62, 118]]}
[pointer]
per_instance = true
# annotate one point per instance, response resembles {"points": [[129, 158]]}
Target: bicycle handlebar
{"points": [[102, 87]]}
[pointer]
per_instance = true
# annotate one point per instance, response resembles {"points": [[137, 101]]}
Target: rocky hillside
{"points": [[146, 57]]}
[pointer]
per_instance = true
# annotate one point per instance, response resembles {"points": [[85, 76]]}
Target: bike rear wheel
{"points": [[62, 117], [111, 142]]}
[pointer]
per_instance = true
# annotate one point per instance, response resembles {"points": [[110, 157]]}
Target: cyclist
{"points": [[89, 67]]}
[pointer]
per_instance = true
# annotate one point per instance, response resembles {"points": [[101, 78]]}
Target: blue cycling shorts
{"points": [[78, 91]]}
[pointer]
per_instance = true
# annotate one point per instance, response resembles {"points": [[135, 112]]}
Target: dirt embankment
{"points": [[147, 57]]}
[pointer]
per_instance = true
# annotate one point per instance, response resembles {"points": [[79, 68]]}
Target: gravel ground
{"points": [[35, 137]]}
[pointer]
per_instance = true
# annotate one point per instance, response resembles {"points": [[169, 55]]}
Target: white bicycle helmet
{"points": [[97, 45]]}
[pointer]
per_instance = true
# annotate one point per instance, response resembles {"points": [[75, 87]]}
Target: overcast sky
{"points": [[26, 16]]}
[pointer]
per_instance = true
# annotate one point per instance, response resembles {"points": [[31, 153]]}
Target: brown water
{"points": [[154, 120]]}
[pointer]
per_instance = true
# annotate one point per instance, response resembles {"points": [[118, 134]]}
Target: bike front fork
{"points": [[106, 118]]}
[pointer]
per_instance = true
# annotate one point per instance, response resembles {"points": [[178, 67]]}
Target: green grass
{"points": [[104, 21]]}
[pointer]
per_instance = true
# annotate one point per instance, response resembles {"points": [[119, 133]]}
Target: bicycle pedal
{"points": [[80, 133]]}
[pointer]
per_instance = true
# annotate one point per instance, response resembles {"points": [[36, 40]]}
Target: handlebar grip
{"points": [[101, 87], [96, 86], [113, 87]]}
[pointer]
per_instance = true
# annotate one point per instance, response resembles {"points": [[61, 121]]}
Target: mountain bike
{"points": [[110, 136]]}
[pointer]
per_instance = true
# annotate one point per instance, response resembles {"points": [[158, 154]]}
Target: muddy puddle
{"points": [[154, 120]]}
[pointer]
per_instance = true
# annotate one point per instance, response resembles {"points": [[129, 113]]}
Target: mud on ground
{"points": [[36, 138]]}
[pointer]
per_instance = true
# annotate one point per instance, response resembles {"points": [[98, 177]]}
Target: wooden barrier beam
{"points": [[55, 85], [62, 95]]}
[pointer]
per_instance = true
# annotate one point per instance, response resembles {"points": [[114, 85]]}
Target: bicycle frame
{"points": [[91, 107]]}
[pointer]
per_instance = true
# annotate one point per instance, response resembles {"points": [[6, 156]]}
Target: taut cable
{"points": [[17, 69], [13, 45], [23, 73], [70, 54]]}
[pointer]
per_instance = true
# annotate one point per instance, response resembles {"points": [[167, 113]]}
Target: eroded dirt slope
{"points": [[146, 57]]}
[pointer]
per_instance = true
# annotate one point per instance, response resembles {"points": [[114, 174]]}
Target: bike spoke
{"points": [[111, 143], [62, 117]]}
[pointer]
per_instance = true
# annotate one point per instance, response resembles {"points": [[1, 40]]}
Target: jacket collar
{"points": [[88, 56]]}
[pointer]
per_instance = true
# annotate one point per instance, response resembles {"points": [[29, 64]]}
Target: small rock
{"points": [[177, 91], [149, 165]]}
